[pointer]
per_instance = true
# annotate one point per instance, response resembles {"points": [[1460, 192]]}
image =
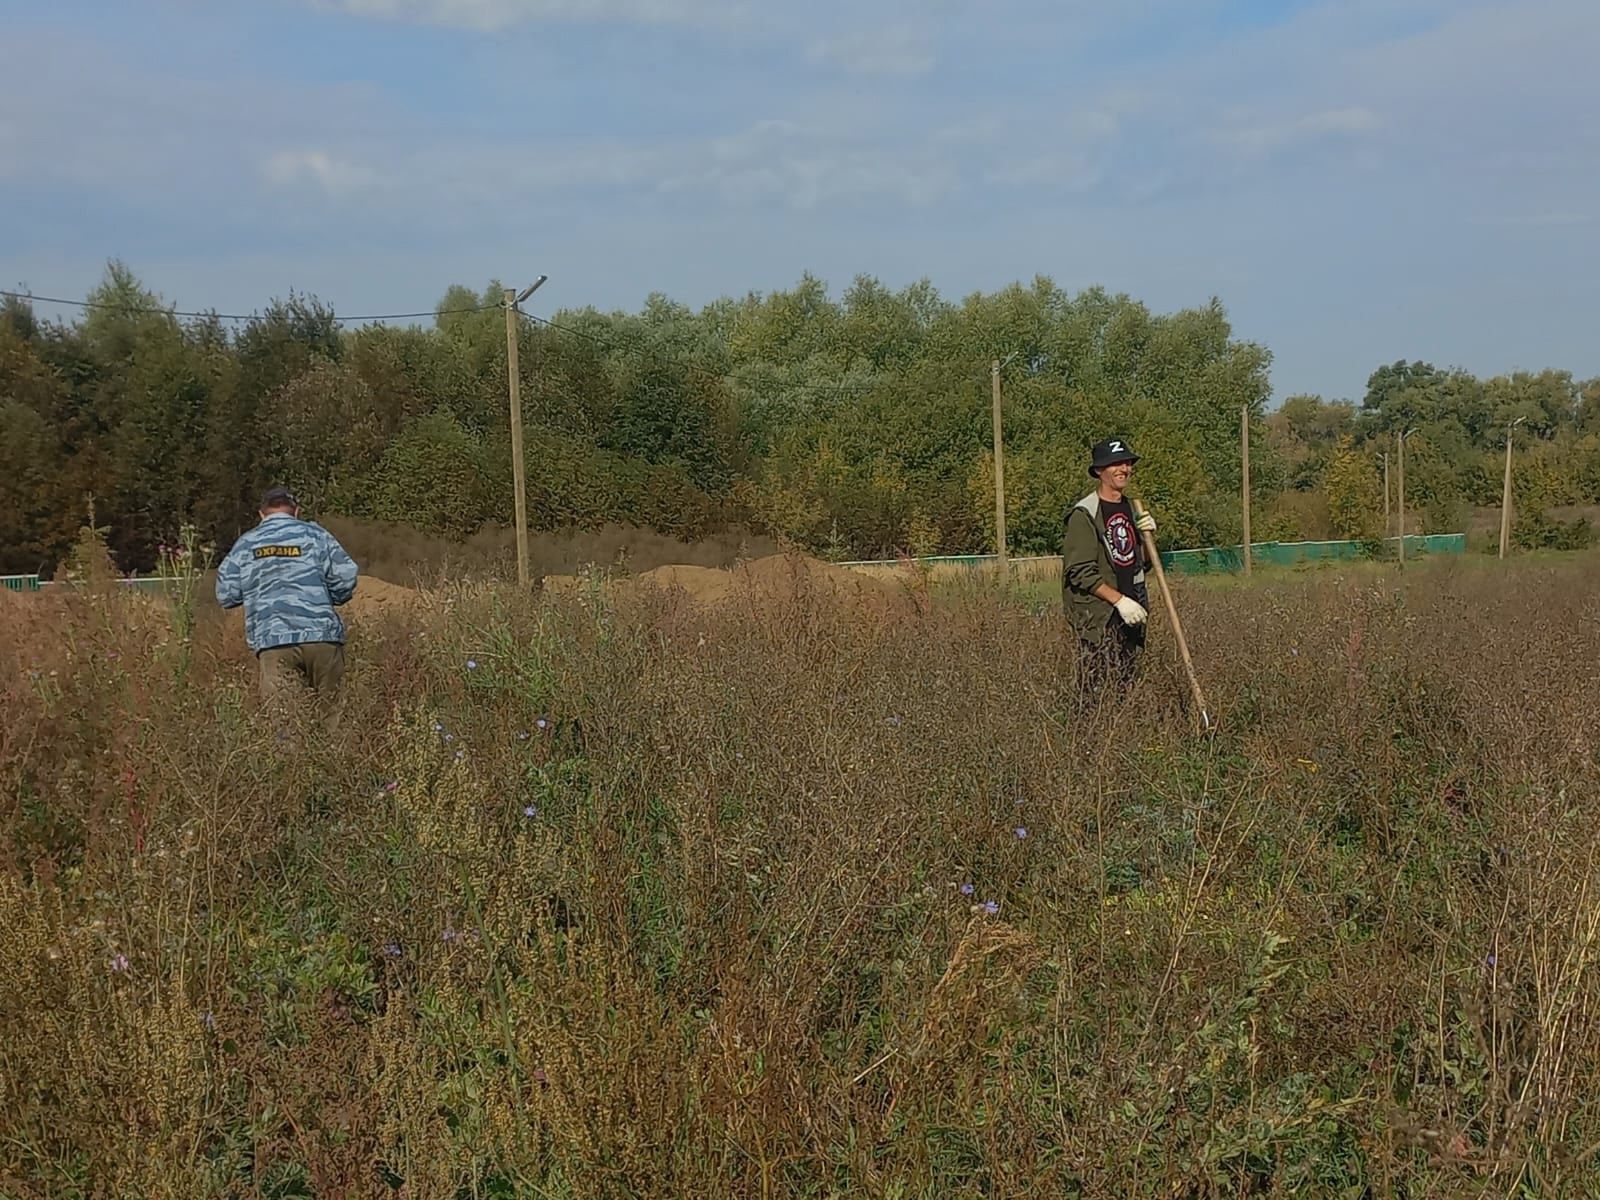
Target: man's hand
{"points": [[1145, 523], [1131, 611]]}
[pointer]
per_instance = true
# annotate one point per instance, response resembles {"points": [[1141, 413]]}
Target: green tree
{"points": [[1354, 492]]}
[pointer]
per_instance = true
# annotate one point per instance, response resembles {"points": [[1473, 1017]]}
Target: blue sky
{"points": [[1357, 180]]}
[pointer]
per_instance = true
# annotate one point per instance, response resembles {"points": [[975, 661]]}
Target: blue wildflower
{"points": [[966, 889], [990, 907]]}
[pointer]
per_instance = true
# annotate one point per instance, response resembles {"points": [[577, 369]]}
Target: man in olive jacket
{"points": [[1102, 568]]}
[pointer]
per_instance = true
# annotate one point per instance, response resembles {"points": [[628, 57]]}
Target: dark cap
{"points": [[1109, 453], [278, 496]]}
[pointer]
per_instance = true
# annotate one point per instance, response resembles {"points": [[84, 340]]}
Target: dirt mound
{"points": [[375, 597], [705, 585], [562, 585], [784, 575], [374, 600], [771, 580]]}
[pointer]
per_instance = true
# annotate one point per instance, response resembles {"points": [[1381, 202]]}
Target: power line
{"points": [[203, 315]]}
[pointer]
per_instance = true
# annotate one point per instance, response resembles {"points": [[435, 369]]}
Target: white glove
{"points": [[1145, 523], [1131, 611]]}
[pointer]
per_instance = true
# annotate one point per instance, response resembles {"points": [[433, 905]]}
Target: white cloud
{"points": [[490, 16], [904, 51], [784, 163], [333, 175], [1252, 138], [774, 164], [1065, 170]]}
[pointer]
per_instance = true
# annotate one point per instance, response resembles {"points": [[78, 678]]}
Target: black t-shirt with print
{"points": [[1123, 540]]}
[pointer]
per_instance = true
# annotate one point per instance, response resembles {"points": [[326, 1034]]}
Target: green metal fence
{"points": [[1225, 559], [1210, 559], [32, 583]]}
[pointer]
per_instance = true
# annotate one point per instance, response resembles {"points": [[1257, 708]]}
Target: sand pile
{"points": [[772, 580], [705, 585], [784, 575], [375, 598]]}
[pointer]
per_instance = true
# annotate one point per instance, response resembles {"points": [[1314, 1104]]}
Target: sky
{"points": [[1358, 181]]}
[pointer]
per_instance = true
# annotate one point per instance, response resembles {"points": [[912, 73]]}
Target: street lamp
{"points": [[1505, 495], [519, 484]]}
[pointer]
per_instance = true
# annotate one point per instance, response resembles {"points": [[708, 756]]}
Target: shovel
{"points": [[1207, 725]]}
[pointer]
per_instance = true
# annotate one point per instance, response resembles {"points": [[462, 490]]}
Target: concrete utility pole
{"points": [[1384, 457], [518, 478], [1400, 465], [999, 475], [1244, 457], [1505, 495]]}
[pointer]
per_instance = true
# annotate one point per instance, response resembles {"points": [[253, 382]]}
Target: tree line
{"points": [[856, 426]]}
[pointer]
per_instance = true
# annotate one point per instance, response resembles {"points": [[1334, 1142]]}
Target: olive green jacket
{"points": [[1085, 564]]}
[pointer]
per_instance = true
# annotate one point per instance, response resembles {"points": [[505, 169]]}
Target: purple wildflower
{"points": [[530, 811], [392, 950], [1493, 960], [472, 664], [966, 889], [119, 963], [1021, 831], [990, 907]]}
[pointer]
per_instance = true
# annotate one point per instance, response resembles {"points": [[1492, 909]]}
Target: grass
{"points": [[654, 901], [1041, 587]]}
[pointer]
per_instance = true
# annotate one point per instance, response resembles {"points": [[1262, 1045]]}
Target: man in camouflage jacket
{"points": [[290, 575]]}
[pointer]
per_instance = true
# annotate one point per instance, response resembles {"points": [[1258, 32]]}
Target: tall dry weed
{"points": [[613, 896]]}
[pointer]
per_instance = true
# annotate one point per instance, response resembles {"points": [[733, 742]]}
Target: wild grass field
{"points": [[609, 895]]}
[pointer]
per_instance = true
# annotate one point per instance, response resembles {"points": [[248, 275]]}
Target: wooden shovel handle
{"points": [[1154, 558]]}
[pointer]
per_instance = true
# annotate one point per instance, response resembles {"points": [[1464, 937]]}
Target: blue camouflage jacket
{"points": [[289, 574]]}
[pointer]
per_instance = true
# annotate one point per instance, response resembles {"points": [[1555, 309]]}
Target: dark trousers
{"points": [[1111, 663], [287, 671]]}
